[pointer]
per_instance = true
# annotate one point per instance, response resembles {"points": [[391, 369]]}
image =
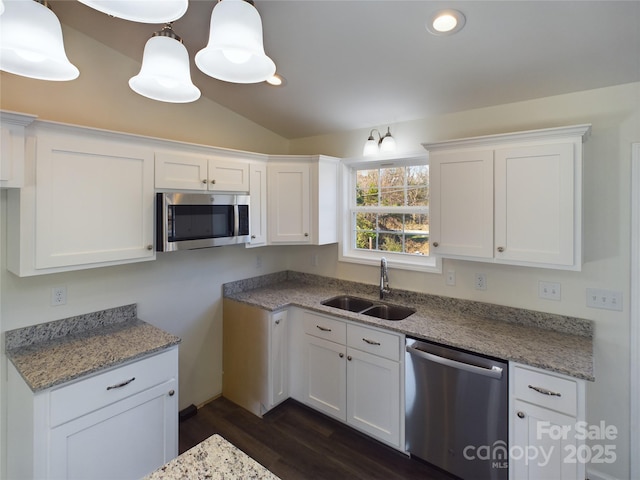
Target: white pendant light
{"points": [[143, 11], [235, 52], [165, 74], [1, 7], [31, 42]]}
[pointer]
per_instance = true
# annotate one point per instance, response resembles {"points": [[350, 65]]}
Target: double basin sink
{"points": [[383, 311]]}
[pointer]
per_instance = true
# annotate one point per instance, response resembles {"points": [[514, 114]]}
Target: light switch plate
{"points": [[549, 290]]}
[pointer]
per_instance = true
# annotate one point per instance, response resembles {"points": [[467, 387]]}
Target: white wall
{"points": [[615, 115]]}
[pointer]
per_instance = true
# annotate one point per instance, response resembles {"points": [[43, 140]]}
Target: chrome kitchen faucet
{"points": [[384, 278]]}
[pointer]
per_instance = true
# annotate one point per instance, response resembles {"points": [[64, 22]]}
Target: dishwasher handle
{"points": [[493, 372]]}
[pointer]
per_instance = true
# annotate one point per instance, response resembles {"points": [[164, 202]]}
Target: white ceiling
{"points": [[366, 63]]}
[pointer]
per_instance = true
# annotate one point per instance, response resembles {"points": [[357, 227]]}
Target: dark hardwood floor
{"points": [[295, 442]]}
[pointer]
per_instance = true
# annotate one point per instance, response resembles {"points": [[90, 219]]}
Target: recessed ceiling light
{"points": [[277, 80], [446, 22]]}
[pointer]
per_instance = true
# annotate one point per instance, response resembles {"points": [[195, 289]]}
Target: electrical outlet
{"points": [[481, 281], [606, 299], [549, 290], [451, 277], [58, 296]]}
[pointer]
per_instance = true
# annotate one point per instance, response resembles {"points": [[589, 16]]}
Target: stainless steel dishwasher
{"points": [[457, 410]]}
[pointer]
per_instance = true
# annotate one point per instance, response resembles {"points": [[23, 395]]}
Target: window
{"points": [[387, 213]]}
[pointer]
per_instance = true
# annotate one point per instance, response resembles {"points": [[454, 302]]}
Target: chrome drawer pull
{"points": [[120, 385], [370, 342], [324, 329], [544, 391]]}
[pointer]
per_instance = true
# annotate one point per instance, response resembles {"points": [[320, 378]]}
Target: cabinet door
{"points": [[536, 432], [461, 203], [373, 395], [534, 204], [289, 208], [258, 205], [94, 201], [125, 440], [180, 171], [326, 377], [228, 175], [278, 359]]}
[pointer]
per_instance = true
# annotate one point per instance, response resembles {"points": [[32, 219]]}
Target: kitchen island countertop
{"points": [[214, 458], [552, 342]]}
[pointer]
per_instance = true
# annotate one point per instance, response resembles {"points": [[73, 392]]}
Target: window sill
{"points": [[418, 264]]}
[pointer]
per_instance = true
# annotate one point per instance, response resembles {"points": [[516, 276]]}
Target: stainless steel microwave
{"points": [[186, 221]]}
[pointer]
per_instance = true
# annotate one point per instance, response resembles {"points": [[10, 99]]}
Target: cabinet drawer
{"points": [[90, 394], [325, 327], [384, 344], [553, 392]]}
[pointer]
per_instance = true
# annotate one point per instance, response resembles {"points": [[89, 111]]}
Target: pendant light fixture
{"points": [[31, 42], [235, 51], [386, 144], [165, 74], [143, 11], [1, 7]]}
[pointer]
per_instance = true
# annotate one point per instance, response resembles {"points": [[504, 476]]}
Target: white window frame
{"points": [[347, 250]]}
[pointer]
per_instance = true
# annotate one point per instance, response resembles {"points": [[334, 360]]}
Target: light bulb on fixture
{"points": [[386, 144], [235, 52], [143, 11], [31, 42], [165, 75], [446, 22]]}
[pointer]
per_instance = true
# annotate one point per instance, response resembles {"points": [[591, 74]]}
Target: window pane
{"points": [[389, 242], [392, 188], [418, 186], [367, 188], [366, 227], [417, 244], [391, 223], [416, 223]]}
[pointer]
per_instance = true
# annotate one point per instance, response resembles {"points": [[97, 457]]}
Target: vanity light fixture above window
{"points": [[446, 22], [386, 144]]}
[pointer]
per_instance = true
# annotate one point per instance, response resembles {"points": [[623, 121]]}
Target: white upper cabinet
{"points": [[302, 200], [12, 146], [513, 198], [87, 202], [258, 205], [178, 170]]}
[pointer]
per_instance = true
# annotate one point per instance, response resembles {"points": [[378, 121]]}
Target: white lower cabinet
{"points": [[546, 411], [255, 359], [354, 373], [121, 423]]}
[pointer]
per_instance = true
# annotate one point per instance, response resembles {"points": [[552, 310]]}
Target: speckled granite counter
{"points": [[56, 352], [553, 342], [215, 459]]}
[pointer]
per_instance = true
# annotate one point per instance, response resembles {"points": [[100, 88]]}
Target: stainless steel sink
{"points": [[347, 302], [384, 311], [389, 312]]}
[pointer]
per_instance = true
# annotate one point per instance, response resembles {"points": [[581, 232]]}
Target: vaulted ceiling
{"points": [[363, 63]]}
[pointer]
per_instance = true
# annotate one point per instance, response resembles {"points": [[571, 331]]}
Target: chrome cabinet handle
{"points": [[253, 237], [149, 247], [349, 358], [341, 355], [501, 249], [435, 244], [120, 385], [544, 391], [323, 329], [520, 414], [204, 181], [370, 342], [172, 393], [213, 182], [278, 322], [306, 234]]}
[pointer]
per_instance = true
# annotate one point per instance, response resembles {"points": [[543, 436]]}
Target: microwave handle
{"points": [[236, 220]]}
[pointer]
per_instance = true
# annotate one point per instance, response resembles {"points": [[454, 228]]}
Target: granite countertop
{"points": [[56, 352], [552, 342], [214, 458]]}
